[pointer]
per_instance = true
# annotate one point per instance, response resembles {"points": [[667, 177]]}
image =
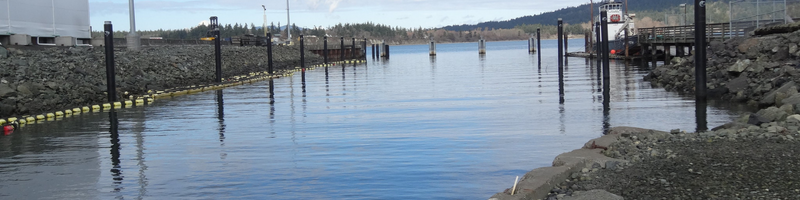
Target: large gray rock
{"points": [[740, 66], [25, 90], [772, 114], [793, 100], [795, 119], [7, 91], [594, 195], [737, 84], [787, 89]]}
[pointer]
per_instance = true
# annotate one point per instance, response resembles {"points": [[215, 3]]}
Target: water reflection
{"points": [[116, 169], [220, 117], [272, 108], [271, 91], [303, 80]]}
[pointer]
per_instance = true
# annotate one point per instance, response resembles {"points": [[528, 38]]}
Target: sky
{"points": [[179, 14]]}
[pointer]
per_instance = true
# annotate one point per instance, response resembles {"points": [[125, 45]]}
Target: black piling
{"points": [[598, 48], [560, 60], [341, 49], [701, 115], [269, 54], [539, 46], [217, 48], [432, 48], [566, 44], [110, 74], [302, 54], [387, 51], [325, 50], [604, 50], [606, 107], [700, 50], [353, 50], [364, 49], [653, 48], [373, 51], [604, 37]]}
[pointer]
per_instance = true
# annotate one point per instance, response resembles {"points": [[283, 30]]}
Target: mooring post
{"points": [[325, 50], [597, 47], [432, 48], [566, 43], [604, 37], [561, 60], [606, 57], [654, 51], [539, 45], [373, 51], [110, 74], [364, 49], [700, 50], [217, 48], [387, 51], [269, 54], [353, 50], [302, 54], [531, 44], [560, 38], [341, 49], [586, 37], [481, 46]]}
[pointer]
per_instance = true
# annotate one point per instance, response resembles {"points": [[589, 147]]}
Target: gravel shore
{"points": [[742, 163], [36, 79]]}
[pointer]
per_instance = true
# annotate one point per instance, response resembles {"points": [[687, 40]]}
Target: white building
{"points": [[45, 22]]}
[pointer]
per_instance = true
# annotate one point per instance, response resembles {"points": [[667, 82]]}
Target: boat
{"points": [[618, 22]]}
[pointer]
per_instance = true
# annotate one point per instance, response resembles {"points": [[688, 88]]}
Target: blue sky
{"points": [[178, 14]]}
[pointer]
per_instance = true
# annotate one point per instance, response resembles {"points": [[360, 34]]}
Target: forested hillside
{"points": [[581, 14], [649, 13]]}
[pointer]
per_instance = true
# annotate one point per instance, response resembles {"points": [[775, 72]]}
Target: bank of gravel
{"points": [[747, 162], [38, 80]]}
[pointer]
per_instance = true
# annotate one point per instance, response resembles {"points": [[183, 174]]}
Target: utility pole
{"points": [[133, 38], [264, 27], [288, 23]]}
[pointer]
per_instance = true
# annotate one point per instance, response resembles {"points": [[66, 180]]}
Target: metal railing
{"points": [[685, 34]]}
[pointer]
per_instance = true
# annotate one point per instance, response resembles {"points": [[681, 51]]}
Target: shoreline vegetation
{"points": [[370, 31], [753, 157]]}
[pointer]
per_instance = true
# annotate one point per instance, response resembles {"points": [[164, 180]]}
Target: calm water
{"points": [[460, 126]]}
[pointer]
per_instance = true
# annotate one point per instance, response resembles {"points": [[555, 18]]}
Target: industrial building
{"points": [[45, 22]]}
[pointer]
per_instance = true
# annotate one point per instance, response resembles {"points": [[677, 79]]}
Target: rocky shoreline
{"points": [[35, 80], [753, 157]]}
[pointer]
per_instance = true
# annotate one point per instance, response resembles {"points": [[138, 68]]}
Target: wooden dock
{"points": [[611, 56]]}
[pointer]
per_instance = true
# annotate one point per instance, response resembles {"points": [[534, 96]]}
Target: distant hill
{"points": [[573, 15]]}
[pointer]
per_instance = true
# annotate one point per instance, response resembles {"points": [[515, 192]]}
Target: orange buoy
{"points": [[613, 51]]}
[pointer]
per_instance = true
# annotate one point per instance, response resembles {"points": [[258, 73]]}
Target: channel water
{"points": [[454, 126]]}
